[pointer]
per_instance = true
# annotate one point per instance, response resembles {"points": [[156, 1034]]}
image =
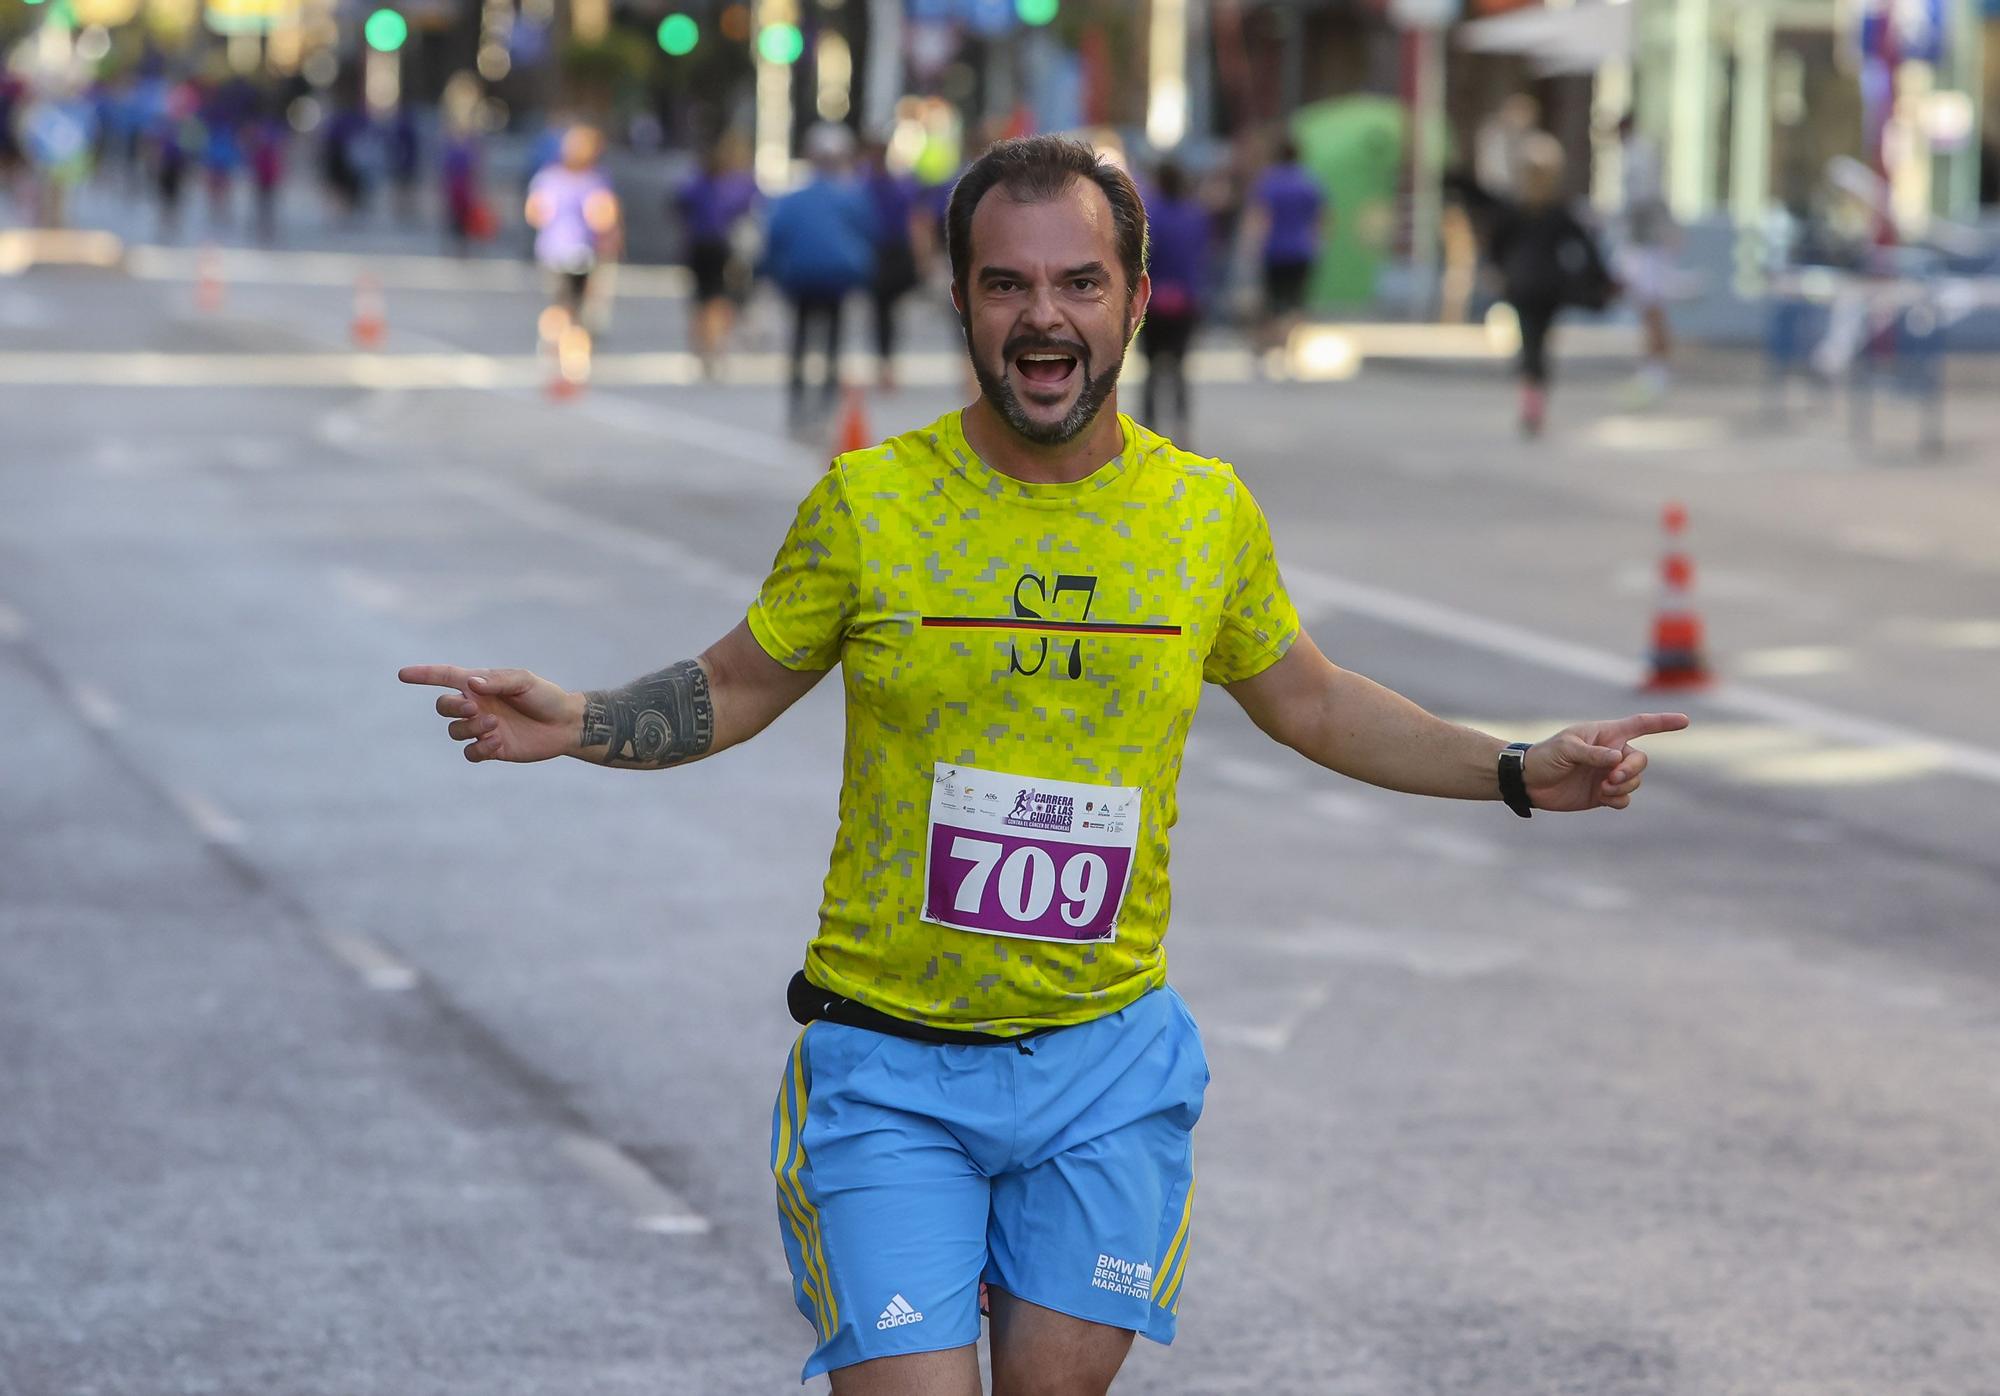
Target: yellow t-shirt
{"points": [[1050, 631]]}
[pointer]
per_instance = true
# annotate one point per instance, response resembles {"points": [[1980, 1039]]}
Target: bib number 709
{"points": [[1029, 881]]}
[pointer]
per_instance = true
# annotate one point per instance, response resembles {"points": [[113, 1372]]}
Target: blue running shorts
{"points": [[1060, 1170]]}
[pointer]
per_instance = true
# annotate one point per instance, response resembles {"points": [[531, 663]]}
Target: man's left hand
{"points": [[1592, 763]]}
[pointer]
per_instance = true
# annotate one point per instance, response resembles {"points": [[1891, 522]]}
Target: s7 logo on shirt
{"points": [[1051, 598]]}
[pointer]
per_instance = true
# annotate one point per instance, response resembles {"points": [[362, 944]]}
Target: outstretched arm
{"points": [[679, 714], [1355, 726]]}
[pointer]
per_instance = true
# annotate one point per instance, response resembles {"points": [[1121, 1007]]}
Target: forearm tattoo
{"points": [[660, 720]]}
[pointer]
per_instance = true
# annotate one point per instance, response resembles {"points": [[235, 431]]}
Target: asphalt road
{"points": [[336, 1065]]}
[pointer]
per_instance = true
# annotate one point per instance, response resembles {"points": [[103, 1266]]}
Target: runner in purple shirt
{"points": [[1181, 243], [575, 217], [1288, 207], [711, 205]]}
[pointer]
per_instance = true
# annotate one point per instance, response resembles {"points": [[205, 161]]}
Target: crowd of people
{"points": [[1248, 234]]}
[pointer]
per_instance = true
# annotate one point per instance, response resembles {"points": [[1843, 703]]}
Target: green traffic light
{"points": [[679, 34], [781, 43], [1037, 11], [385, 30]]}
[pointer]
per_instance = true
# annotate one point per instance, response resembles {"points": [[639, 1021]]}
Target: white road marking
{"points": [[654, 1206], [537, 512], [1658, 433], [1793, 661], [95, 707], [1277, 1034], [13, 625], [1518, 643], [376, 966], [1468, 850], [208, 818], [1951, 634], [1879, 541], [1344, 808], [1868, 765], [1587, 896], [1430, 954], [405, 272], [1259, 776]]}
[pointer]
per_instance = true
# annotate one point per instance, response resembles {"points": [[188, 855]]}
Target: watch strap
{"points": [[1513, 779]]}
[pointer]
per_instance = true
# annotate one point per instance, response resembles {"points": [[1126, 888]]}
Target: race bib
{"points": [[1038, 859]]}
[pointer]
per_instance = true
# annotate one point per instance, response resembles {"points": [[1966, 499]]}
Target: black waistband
{"points": [[811, 1004]]}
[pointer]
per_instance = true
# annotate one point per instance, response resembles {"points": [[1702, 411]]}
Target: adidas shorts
{"points": [[1064, 1174]]}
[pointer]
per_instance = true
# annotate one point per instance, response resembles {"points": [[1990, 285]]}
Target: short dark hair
{"points": [[1035, 169]]}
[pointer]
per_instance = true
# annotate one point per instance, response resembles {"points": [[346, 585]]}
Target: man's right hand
{"points": [[504, 714]]}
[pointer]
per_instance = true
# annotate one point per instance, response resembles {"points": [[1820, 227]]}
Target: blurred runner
{"points": [[268, 138], [405, 160], [1645, 258], [716, 205], [345, 158], [900, 225], [820, 249], [1287, 215], [577, 227], [1181, 243], [1547, 260], [994, 1082]]}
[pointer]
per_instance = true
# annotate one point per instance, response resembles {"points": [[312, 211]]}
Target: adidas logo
{"points": [[898, 1313]]}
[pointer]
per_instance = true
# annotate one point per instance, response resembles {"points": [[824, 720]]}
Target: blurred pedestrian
{"points": [[405, 159], [268, 138], [1500, 145], [577, 226], [345, 158], [716, 206], [1287, 215], [1547, 260], [221, 158], [900, 229], [1181, 243], [170, 162], [467, 218], [819, 249], [1645, 257]]}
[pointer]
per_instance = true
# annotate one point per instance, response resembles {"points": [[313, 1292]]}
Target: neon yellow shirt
{"points": [[1050, 631]]}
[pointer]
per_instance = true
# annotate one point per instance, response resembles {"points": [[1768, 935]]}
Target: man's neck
{"points": [[1008, 452]]}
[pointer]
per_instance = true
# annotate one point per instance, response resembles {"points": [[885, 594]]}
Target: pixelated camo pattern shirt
{"points": [[1158, 569]]}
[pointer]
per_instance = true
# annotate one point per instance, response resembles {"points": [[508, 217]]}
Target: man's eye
{"points": [[1084, 283], [1001, 287]]}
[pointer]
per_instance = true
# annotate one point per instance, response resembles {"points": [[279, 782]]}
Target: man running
{"points": [[995, 1083]]}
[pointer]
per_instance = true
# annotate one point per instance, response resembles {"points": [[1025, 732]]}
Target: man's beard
{"points": [[1082, 412]]}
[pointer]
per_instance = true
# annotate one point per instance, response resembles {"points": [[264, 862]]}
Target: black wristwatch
{"points": [[1513, 780]]}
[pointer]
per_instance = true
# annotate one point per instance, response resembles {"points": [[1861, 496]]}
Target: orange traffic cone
{"points": [[853, 433], [208, 280], [1677, 660], [371, 316]]}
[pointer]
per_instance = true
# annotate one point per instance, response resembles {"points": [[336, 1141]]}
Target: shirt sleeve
{"points": [[1258, 622], [805, 606]]}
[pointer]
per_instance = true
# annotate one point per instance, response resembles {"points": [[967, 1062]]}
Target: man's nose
{"points": [[1044, 310]]}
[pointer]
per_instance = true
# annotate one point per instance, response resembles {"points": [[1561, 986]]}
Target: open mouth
{"points": [[1046, 369]]}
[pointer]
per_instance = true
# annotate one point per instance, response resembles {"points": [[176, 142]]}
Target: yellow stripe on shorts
{"points": [[1168, 1278], [804, 1217]]}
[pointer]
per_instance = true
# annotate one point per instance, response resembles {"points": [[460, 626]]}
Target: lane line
{"points": [[371, 961], [1276, 1035], [535, 511], [1617, 671], [654, 1206], [13, 625], [1467, 850], [95, 707], [209, 819]]}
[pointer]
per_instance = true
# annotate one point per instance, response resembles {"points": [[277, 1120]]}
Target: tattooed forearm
{"points": [[660, 720]]}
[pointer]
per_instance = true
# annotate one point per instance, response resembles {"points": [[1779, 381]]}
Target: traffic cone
{"points": [[1677, 660], [208, 280], [371, 316], [853, 433]]}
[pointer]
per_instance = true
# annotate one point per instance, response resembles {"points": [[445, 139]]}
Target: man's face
{"points": [[1046, 310]]}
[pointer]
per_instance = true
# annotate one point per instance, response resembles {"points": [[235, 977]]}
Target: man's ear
{"points": [[1142, 296], [957, 301]]}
